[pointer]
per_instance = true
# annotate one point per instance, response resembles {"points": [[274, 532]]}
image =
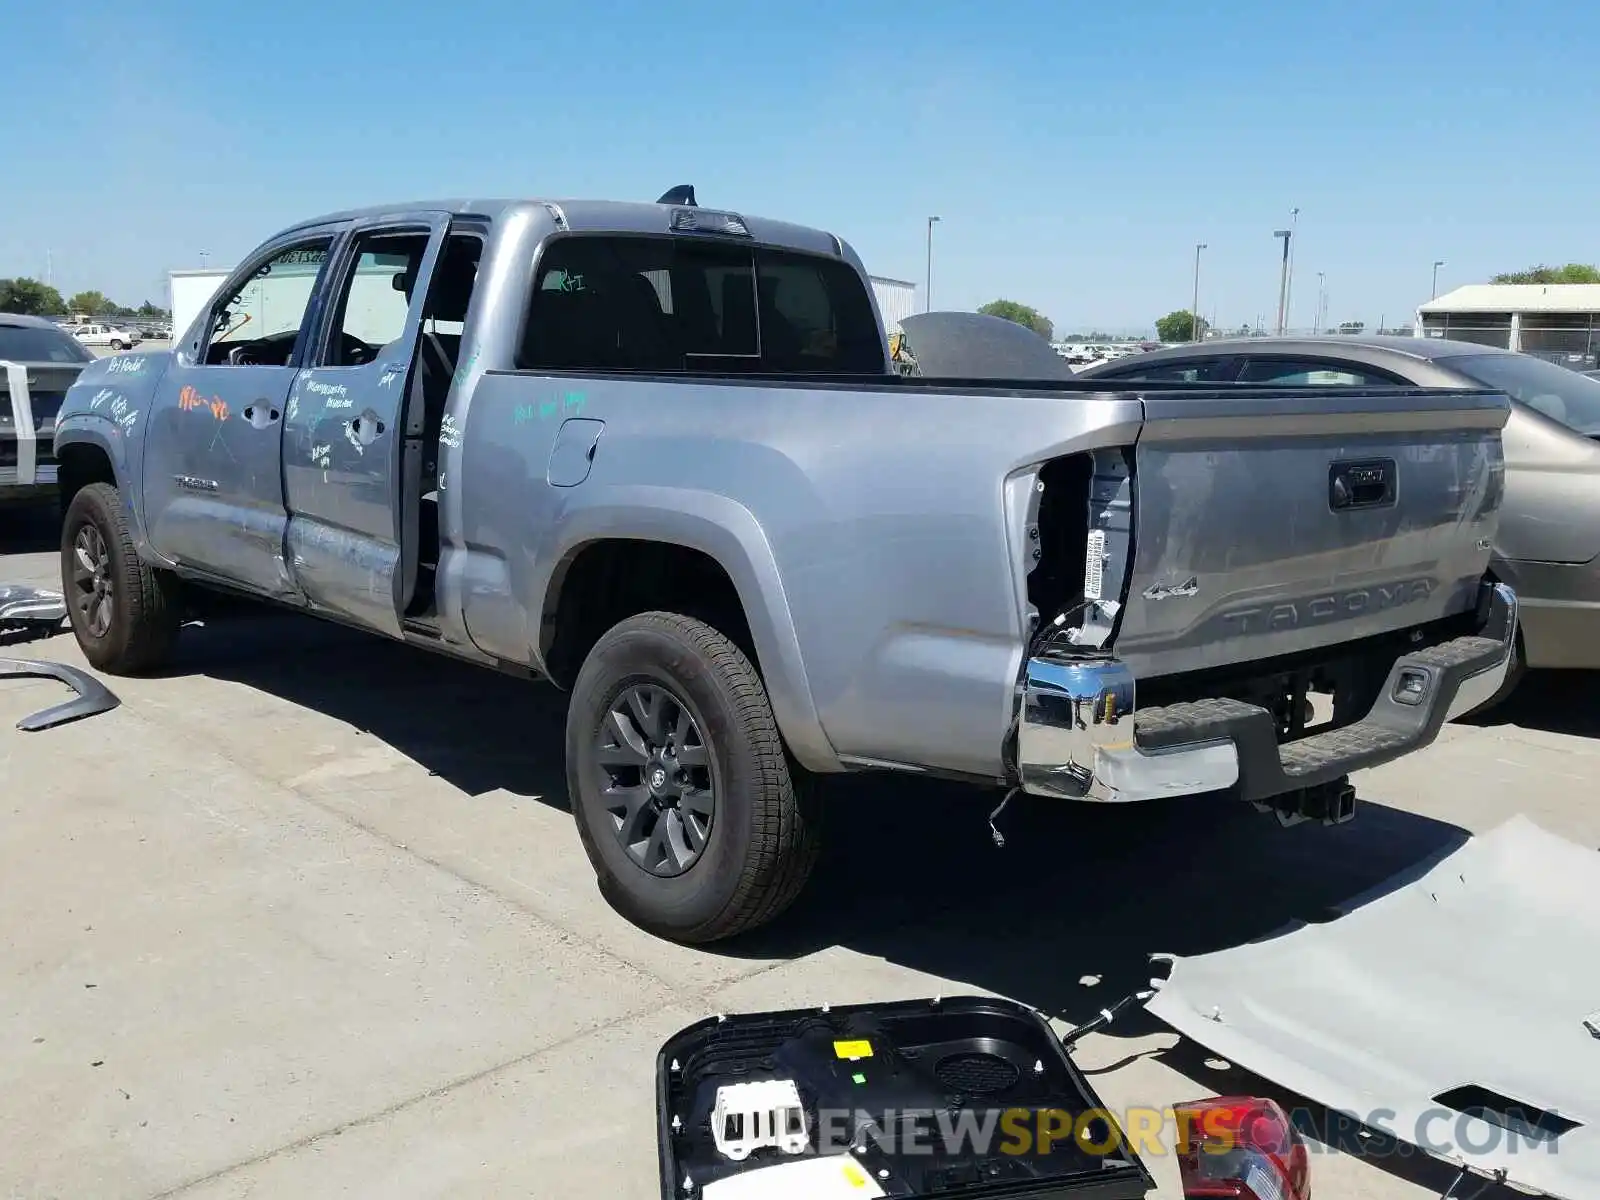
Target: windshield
{"points": [[1560, 394], [36, 344]]}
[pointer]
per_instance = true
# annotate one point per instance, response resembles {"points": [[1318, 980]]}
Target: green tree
{"points": [[151, 311], [91, 302], [1571, 273], [31, 298], [1010, 310], [1178, 326]]}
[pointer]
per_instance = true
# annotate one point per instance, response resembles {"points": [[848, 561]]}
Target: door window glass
{"points": [[375, 295], [1311, 372], [258, 321], [1203, 370]]}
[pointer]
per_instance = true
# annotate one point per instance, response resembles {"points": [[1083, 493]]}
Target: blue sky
{"points": [[1075, 152]]}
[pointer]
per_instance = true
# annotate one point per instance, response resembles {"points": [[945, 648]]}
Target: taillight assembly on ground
{"points": [[1240, 1148]]}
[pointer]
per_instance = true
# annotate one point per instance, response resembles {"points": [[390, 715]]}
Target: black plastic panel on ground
{"points": [[934, 1067]]}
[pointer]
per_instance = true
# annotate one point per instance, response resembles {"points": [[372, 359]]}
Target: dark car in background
{"points": [[1548, 546], [39, 361]]}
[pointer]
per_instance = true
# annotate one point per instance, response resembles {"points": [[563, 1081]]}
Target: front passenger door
{"points": [[213, 490]]}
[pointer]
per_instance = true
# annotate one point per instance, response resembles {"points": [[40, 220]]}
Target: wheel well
{"points": [[79, 465], [611, 580]]}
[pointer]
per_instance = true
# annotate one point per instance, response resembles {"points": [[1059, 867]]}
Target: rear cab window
{"points": [[666, 304]]}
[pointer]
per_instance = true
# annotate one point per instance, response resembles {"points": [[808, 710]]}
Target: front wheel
{"points": [[116, 345], [124, 613], [696, 824]]}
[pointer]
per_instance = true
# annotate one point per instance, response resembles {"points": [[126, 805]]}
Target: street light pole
{"points": [[1288, 287], [1437, 264], [1194, 309], [927, 291], [1283, 279], [1322, 299]]}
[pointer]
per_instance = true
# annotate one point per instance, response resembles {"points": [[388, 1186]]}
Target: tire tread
{"points": [[152, 615], [785, 824]]}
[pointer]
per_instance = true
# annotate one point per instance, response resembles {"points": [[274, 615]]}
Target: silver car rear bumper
{"points": [[1081, 736], [25, 474]]}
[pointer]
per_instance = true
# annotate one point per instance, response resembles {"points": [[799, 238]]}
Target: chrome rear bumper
{"points": [[1081, 737]]}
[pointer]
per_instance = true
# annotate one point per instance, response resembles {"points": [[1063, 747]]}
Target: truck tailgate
{"points": [[1272, 522]]}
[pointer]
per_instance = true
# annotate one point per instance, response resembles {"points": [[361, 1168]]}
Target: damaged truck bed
{"points": [[1457, 1013]]}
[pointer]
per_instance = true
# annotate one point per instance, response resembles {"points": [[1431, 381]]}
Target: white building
{"points": [[188, 294], [1558, 321], [896, 298]]}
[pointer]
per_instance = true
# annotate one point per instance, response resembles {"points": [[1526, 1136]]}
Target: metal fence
{"points": [[1571, 339], [1484, 329]]}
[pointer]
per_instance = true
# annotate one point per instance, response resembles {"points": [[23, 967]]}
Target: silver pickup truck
{"points": [[660, 455]]}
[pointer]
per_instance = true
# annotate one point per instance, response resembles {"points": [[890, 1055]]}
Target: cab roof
{"points": [[593, 216]]}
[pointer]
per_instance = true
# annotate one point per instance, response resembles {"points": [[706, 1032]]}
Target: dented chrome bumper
{"points": [[1081, 736]]}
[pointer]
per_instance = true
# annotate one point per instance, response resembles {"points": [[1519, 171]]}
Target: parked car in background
{"points": [[39, 361], [1548, 546], [117, 337]]}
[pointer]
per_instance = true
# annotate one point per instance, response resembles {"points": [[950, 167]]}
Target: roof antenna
{"points": [[682, 194]]}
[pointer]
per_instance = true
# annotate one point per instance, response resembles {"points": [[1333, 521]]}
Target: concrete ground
{"points": [[307, 916]]}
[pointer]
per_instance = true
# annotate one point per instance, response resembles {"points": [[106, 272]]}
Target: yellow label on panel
{"points": [[853, 1050], [853, 1176]]}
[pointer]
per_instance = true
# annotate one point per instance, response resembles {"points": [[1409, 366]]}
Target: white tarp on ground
{"points": [[1480, 974]]}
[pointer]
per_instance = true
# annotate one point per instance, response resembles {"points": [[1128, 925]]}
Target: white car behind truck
{"points": [[114, 337]]}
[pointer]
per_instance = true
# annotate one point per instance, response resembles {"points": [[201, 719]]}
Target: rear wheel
{"points": [[124, 613], [116, 345], [697, 825]]}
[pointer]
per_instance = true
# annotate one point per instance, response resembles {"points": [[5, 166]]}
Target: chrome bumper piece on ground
{"points": [[1081, 737]]}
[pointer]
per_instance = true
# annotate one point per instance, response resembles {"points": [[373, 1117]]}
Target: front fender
{"points": [[729, 533], [106, 411]]}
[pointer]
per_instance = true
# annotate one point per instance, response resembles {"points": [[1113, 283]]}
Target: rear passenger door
{"points": [[345, 435]]}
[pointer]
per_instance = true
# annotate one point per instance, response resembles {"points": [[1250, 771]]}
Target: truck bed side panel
{"points": [[876, 515]]}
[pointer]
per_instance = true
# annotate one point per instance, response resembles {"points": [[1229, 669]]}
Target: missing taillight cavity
{"points": [[1080, 545], [1059, 535]]}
